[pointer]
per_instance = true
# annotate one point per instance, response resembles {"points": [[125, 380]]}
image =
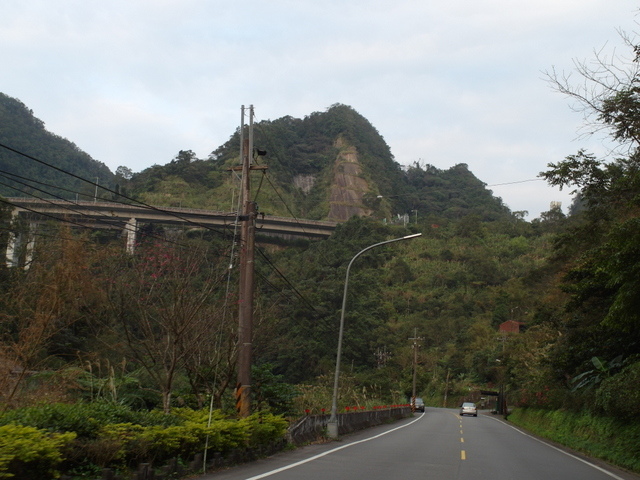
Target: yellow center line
{"points": [[463, 455], [462, 440]]}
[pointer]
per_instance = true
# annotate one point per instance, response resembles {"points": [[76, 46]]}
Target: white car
{"points": [[468, 408]]}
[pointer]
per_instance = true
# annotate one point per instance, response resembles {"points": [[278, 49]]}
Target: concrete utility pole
{"points": [[246, 286]]}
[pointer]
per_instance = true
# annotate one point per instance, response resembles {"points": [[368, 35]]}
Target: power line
{"points": [[138, 202], [277, 192], [82, 225], [69, 207], [264, 256], [518, 181], [122, 225], [8, 176]]}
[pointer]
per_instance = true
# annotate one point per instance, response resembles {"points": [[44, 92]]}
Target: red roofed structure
{"points": [[510, 326]]}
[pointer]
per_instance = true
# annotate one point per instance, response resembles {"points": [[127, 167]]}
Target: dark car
{"points": [[468, 408], [419, 404]]}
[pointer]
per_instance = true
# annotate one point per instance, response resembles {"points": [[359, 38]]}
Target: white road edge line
{"points": [[310, 459], [612, 475]]}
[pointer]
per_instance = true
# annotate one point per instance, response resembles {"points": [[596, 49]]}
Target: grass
{"points": [[612, 440]]}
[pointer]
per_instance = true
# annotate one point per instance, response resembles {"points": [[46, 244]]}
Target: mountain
{"points": [[328, 165], [43, 174]]}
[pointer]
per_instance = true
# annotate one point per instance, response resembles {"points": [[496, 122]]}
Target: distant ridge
{"points": [[22, 131], [329, 165]]}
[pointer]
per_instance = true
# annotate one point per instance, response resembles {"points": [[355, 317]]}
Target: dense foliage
{"points": [[83, 439]]}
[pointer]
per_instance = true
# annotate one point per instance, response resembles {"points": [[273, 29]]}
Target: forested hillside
{"points": [[21, 131], [88, 322], [453, 287], [328, 165]]}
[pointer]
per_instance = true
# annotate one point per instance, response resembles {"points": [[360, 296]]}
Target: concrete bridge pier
{"points": [[129, 231], [21, 243], [13, 249]]}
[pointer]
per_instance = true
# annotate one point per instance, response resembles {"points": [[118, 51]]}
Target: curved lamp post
{"points": [[332, 425]]}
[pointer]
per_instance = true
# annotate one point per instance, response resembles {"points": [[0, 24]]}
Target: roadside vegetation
{"points": [[84, 438], [606, 438]]}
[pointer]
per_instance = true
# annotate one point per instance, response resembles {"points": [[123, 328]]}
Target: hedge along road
{"points": [[438, 444]]}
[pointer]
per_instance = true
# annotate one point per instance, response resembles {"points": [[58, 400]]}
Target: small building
{"points": [[510, 326]]}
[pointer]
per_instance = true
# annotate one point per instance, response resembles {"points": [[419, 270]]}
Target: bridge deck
{"points": [[115, 215]]}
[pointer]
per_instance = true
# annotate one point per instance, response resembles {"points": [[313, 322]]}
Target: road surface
{"points": [[438, 444]]}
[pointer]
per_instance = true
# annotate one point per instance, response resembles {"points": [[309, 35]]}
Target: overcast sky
{"points": [[133, 82]]}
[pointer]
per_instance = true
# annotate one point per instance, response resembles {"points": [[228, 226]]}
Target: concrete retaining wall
{"points": [[313, 427]]}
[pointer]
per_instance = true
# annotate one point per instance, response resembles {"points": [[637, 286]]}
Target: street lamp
{"points": [[332, 425]]}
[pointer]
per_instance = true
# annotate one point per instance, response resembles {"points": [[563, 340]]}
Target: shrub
{"points": [[120, 437], [85, 419], [95, 453], [264, 428], [619, 396], [28, 453], [226, 435], [136, 443], [159, 443], [99, 442]]}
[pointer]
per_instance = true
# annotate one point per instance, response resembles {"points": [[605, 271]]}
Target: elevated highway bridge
{"points": [[127, 218]]}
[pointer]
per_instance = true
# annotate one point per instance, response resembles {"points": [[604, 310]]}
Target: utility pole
{"points": [[246, 286], [415, 339]]}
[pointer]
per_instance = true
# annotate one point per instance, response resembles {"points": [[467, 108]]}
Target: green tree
{"points": [[600, 251]]}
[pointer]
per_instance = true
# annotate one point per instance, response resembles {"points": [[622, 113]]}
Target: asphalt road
{"points": [[438, 444]]}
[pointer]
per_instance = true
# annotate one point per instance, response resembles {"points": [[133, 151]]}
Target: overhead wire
{"points": [[277, 192], [118, 194], [263, 254], [82, 225], [266, 258], [49, 236], [67, 206], [143, 204], [123, 225], [517, 181], [286, 280], [225, 308], [270, 263], [11, 176], [104, 188]]}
